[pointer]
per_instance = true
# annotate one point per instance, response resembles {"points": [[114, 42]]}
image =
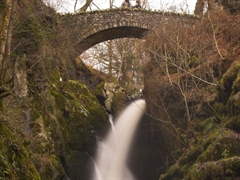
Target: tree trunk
{"points": [[6, 14], [110, 51], [85, 6], [5, 41], [199, 7]]}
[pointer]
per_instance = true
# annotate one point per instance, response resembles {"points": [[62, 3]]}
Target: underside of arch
{"points": [[109, 34]]}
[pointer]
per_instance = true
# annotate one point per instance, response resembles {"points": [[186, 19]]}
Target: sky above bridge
{"points": [[186, 6]]}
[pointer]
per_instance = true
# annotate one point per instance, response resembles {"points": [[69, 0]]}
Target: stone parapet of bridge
{"points": [[90, 28]]}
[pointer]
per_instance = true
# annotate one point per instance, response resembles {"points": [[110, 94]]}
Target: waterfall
{"points": [[112, 153]]}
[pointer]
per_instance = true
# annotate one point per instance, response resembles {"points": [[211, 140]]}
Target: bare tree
{"points": [[181, 52], [59, 5], [121, 58], [75, 5]]}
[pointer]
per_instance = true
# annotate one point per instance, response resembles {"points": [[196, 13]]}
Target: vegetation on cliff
{"points": [[192, 95], [50, 119], [15, 161]]}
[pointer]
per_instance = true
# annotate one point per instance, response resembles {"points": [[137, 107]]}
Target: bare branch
{"points": [[214, 36]]}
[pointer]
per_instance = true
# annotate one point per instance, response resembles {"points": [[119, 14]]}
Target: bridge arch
{"points": [[109, 34], [90, 28]]}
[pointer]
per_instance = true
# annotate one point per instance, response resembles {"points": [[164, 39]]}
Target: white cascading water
{"points": [[112, 152]]}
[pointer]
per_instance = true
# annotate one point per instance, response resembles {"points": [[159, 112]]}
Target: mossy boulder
{"points": [[230, 92], [227, 168], [99, 90], [81, 118], [112, 96], [233, 104], [213, 156]]}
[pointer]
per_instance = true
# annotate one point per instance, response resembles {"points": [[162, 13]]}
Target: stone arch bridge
{"points": [[90, 28]]}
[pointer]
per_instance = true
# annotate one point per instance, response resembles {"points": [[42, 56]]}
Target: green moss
{"points": [[194, 61], [208, 124], [54, 74], [228, 79], [233, 104], [35, 115], [228, 168], [185, 168], [55, 161], [236, 83], [53, 167], [233, 123], [174, 173], [99, 89], [79, 114], [190, 157], [60, 100], [14, 159], [215, 145], [34, 29], [222, 146], [216, 149]]}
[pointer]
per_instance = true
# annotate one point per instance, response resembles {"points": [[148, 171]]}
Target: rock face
{"points": [[20, 79], [115, 97], [82, 119], [50, 125], [109, 90]]}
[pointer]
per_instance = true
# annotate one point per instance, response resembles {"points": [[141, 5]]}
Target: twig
{"points": [[214, 36]]}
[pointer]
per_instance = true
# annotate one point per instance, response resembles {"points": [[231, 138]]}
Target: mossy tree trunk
{"points": [[5, 41]]}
